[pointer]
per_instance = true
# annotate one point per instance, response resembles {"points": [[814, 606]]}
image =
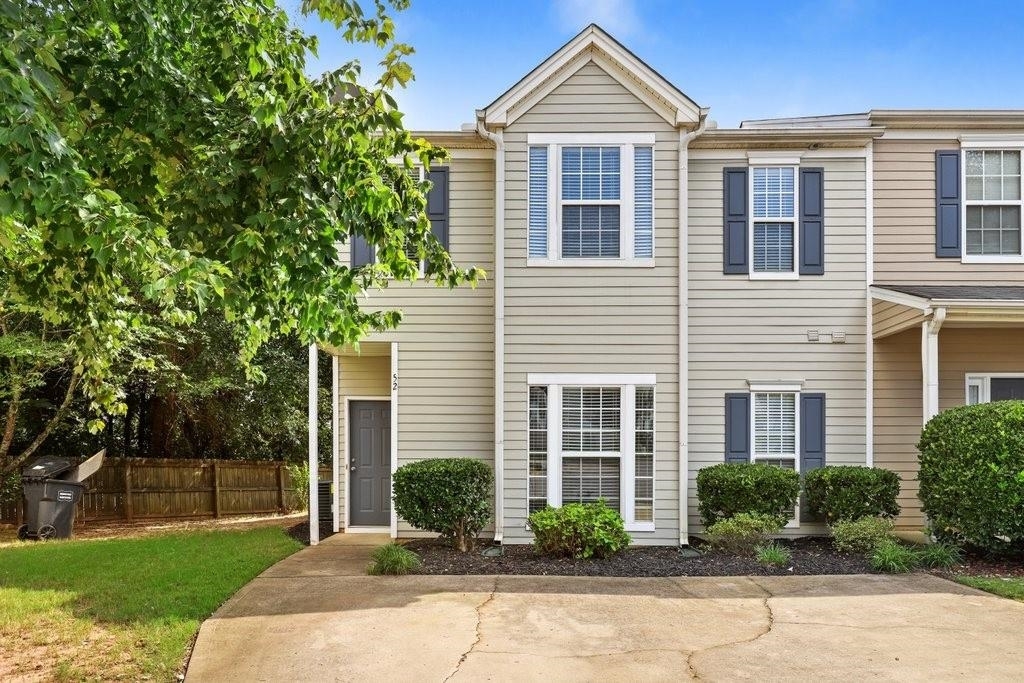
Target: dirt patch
{"points": [[300, 531], [809, 556], [103, 530]]}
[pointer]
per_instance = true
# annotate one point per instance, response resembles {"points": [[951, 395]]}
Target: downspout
{"points": [[684, 324], [499, 323]]}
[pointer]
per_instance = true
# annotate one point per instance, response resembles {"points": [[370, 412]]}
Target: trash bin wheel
{"points": [[23, 532], [46, 532]]}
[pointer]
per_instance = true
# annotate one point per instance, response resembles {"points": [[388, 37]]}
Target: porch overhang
{"points": [[896, 308]]}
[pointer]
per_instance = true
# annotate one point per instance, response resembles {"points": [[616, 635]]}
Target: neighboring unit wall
{"points": [[905, 219], [898, 418], [446, 338], [592, 320], [898, 393], [742, 329]]}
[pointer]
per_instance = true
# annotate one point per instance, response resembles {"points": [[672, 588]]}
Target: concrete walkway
{"points": [[315, 616]]}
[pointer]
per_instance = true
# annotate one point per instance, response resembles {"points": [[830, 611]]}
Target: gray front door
{"points": [[369, 463], [1007, 388]]}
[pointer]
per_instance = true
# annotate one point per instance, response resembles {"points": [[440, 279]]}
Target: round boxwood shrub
{"points": [[579, 530], [845, 493], [449, 496], [725, 490], [972, 475]]}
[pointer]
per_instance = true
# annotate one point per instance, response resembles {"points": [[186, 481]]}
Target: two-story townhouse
{"points": [[664, 295]]}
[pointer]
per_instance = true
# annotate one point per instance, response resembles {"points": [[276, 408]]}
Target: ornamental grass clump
{"points": [[392, 559]]}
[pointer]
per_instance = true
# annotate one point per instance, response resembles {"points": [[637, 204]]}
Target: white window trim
{"points": [[626, 142], [795, 221], [773, 388], [980, 144], [984, 383], [627, 385]]}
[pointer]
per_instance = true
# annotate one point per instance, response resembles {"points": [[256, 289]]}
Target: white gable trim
{"points": [[595, 45]]}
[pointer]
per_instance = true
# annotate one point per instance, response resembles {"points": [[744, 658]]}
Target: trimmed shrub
{"points": [[579, 530], [392, 559], [940, 556], [861, 535], [972, 475], [449, 496], [725, 490], [742, 533], [847, 493], [892, 557], [773, 555]]}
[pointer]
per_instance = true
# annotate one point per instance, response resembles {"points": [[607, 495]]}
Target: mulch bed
{"points": [[810, 556], [980, 565], [300, 531]]}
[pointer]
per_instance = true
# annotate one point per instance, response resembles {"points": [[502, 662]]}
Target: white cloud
{"points": [[618, 17]]}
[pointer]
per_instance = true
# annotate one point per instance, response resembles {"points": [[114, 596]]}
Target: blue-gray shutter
{"points": [[812, 440], [362, 252], [735, 229], [812, 221], [737, 427], [947, 203], [437, 204]]}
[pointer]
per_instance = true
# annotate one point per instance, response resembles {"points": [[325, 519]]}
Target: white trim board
{"points": [[348, 455], [591, 380]]}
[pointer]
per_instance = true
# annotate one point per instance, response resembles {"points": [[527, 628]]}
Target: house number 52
{"points": [[394, 382]]}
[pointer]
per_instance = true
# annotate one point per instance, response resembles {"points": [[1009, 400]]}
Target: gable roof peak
{"points": [[594, 44]]}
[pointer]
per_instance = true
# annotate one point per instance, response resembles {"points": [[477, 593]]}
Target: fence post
{"points": [[216, 490], [128, 511], [280, 489]]}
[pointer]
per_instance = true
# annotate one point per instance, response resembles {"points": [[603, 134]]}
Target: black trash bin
{"points": [[52, 488]]}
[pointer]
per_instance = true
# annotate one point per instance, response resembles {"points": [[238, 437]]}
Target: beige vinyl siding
{"points": [[898, 393], [446, 338], [889, 318], [742, 329], [898, 397], [904, 172], [358, 377], [592, 320]]}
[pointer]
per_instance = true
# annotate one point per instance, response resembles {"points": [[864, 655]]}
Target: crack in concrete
{"points": [[479, 633], [770, 616]]}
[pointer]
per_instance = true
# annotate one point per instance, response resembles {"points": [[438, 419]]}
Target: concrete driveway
{"points": [[315, 617]]}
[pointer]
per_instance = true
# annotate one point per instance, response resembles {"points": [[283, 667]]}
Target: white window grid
{"points": [[625, 453], [538, 449], [773, 205], [643, 477], [992, 189]]}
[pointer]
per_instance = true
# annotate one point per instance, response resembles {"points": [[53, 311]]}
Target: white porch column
{"points": [[394, 433], [335, 446], [314, 455], [930, 363]]}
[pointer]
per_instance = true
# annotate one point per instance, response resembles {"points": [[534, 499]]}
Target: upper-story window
{"points": [[591, 199], [992, 200], [773, 219]]}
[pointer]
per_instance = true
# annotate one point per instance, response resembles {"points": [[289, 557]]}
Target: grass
{"points": [[773, 555], [121, 608], [392, 559], [1007, 588]]}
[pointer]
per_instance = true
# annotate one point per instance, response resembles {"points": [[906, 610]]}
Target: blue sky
{"points": [[745, 60]]}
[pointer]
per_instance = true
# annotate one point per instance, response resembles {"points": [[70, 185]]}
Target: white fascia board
{"points": [[583, 380], [794, 385], [969, 140], [920, 303], [775, 158], [590, 138]]}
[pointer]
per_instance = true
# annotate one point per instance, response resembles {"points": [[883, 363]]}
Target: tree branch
{"points": [[69, 394]]}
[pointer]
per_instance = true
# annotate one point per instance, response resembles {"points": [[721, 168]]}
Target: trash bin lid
{"points": [[46, 467]]}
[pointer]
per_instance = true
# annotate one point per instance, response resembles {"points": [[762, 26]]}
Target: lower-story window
{"points": [[994, 387], [591, 437]]}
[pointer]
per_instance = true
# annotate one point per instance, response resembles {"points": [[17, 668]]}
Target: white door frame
{"points": [[348, 464]]}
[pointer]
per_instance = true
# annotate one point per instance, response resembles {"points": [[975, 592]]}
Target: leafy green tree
{"points": [[160, 158]]}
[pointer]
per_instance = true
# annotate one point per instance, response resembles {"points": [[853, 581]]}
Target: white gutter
{"points": [[684, 324], [869, 332], [499, 323]]}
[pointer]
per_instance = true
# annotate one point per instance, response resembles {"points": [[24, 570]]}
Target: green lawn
{"points": [[1007, 588], [122, 608]]}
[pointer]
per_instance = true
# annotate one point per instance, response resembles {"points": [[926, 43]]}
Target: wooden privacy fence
{"points": [[135, 489]]}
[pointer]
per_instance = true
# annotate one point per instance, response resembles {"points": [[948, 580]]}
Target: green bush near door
{"points": [[847, 493], [449, 496], [725, 490]]}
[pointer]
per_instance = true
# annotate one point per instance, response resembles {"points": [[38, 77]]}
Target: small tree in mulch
{"points": [[449, 496]]}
